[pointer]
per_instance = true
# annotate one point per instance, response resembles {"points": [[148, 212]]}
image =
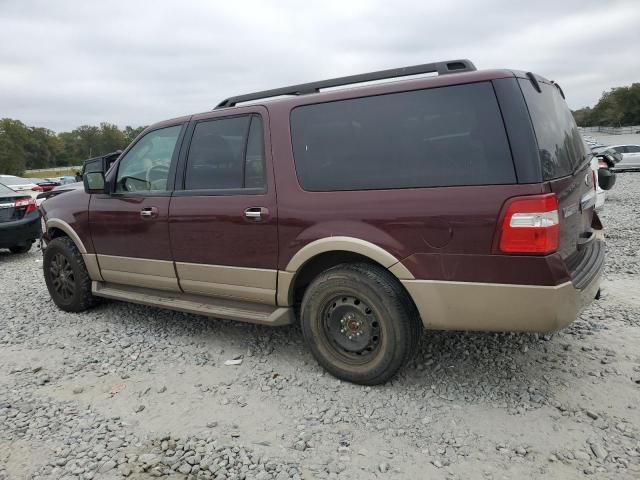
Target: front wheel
{"points": [[66, 276], [360, 323]]}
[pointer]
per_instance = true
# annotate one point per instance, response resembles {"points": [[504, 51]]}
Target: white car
{"points": [[630, 156], [21, 185], [600, 193]]}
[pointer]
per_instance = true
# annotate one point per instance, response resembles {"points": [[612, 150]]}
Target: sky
{"points": [[69, 63]]}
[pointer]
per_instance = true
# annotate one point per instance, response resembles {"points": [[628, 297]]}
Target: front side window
{"points": [[145, 168], [226, 154], [426, 138]]}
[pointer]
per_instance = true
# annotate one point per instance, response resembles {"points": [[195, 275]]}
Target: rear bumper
{"points": [[500, 307], [20, 232]]}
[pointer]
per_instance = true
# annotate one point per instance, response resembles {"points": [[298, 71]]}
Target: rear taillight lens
{"points": [[37, 188], [531, 225], [28, 204]]}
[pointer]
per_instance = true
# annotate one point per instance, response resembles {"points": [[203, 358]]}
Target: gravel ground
{"points": [[137, 392]]}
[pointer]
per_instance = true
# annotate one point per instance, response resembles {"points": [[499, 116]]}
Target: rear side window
{"points": [[560, 144], [226, 153], [426, 138]]}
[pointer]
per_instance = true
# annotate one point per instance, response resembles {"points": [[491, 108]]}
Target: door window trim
{"points": [[173, 166], [180, 178]]}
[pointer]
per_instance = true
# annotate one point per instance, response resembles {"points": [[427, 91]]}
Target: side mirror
{"points": [[94, 182], [606, 178], [93, 175]]}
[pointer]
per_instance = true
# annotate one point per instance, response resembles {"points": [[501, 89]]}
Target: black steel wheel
{"points": [[62, 277], [66, 276], [360, 323], [351, 326]]}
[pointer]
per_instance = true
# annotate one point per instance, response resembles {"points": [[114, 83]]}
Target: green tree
{"points": [[13, 138], [131, 133], [23, 147], [618, 107]]}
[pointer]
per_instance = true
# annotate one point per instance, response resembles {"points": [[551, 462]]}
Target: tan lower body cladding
{"points": [[249, 284], [498, 307], [246, 284], [139, 272]]}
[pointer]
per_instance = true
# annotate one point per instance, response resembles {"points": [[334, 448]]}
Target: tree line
{"points": [[25, 148], [616, 108]]}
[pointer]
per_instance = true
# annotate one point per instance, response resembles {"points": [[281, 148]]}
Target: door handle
{"points": [[149, 212], [256, 213]]}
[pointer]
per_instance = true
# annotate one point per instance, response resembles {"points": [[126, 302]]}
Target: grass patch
{"points": [[71, 171]]}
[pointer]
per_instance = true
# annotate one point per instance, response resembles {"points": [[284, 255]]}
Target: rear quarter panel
{"points": [[439, 233]]}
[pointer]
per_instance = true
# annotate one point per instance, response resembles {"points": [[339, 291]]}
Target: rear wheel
{"points": [[360, 323], [21, 248], [66, 276]]}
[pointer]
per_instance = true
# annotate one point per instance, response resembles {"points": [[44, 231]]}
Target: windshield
{"points": [[559, 142]]}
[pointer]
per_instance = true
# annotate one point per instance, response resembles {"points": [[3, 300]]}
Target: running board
{"points": [[198, 304]]}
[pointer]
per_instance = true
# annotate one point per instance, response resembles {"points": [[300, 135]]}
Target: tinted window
{"points": [[437, 137], [226, 153], [146, 166], [559, 142], [620, 149], [633, 149], [254, 170]]}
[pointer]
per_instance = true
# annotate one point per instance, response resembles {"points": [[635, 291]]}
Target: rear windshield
{"points": [[15, 181], [560, 144], [6, 190], [426, 138]]}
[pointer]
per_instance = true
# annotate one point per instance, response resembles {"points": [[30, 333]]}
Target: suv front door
{"points": [[129, 226], [223, 218]]}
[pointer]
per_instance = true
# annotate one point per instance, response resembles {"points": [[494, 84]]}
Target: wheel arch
{"points": [[57, 227], [325, 253]]}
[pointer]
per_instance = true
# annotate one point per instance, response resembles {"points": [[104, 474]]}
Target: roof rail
{"points": [[449, 66]]}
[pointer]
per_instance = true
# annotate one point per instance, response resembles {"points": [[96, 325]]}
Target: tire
{"points": [[74, 293], [359, 323], [21, 248]]}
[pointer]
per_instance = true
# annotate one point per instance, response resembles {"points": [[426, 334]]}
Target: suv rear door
{"points": [[129, 226], [565, 166], [223, 216]]}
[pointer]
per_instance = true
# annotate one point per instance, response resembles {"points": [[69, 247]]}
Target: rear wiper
{"points": [[559, 88]]}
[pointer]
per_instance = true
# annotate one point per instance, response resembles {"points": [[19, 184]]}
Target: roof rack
{"points": [[449, 66]]}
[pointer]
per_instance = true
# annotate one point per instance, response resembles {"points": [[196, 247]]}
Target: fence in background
{"points": [[54, 169], [612, 130]]}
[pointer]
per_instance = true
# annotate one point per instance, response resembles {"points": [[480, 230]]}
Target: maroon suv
{"points": [[461, 201]]}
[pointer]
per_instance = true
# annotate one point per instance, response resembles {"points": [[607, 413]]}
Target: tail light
{"points": [[531, 225], [28, 204], [37, 188]]}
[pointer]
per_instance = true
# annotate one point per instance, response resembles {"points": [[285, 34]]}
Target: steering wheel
{"points": [[156, 174]]}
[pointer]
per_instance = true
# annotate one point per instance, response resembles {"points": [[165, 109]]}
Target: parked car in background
{"points": [[19, 220], [21, 185], [592, 142], [67, 179], [630, 156], [105, 161], [47, 184], [58, 190], [462, 201]]}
